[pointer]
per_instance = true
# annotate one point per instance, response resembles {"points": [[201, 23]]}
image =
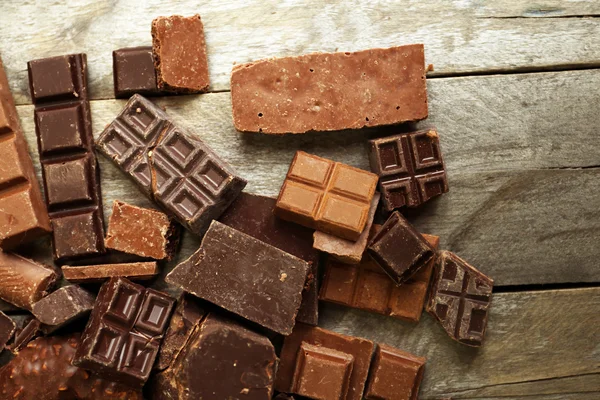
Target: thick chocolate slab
{"points": [[183, 175], [7, 329], [180, 54], [330, 91], [245, 276], [222, 360], [328, 196], [460, 299], [23, 214], [63, 125], [96, 273], [123, 335], [63, 306], [133, 72], [410, 167], [253, 215]]}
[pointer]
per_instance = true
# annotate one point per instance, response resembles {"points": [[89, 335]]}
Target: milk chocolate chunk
{"points": [[122, 337], [133, 72], [328, 196], [399, 249], [63, 306], [43, 370], [222, 360], [460, 299], [410, 167], [141, 231], [7, 329], [23, 215], [343, 359], [366, 286], [395, 375], [347, 251], [180, 54], [253, 215], [330, 91], [97, 273], [183, 175], [63, 126], [245, 276], [23, 281]]}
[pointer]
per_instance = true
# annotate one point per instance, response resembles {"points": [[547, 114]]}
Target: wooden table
{"points": [[516, 97]]}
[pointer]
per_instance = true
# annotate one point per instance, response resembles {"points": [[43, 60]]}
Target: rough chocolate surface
{"points": [[63, 306], [330, 91], [97, 273]]}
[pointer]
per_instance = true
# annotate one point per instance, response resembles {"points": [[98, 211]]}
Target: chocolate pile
{"points": [[246, 323]]}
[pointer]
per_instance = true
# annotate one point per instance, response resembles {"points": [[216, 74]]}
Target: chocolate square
{"points": [[68, 241], [55, 78], [68, 181], [133, 72], [60, 128]]}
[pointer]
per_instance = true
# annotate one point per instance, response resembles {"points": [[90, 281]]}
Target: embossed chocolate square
{"points": [[122, 337]]}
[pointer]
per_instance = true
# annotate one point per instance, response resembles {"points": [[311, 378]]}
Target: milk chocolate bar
{"points": [[23, 215], [410, 167], [328, 196], [133, 72], [460, 299], [183, 175], [96, 273], [63, 126], [253, 215], [330, 91], [179, 52], [63, 306], [245, 276], [7, 329]]}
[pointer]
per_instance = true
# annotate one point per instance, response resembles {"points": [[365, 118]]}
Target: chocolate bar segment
{"points": [[27, 330], [410, 167], [122, 337], [22, 281], [183, 175], [180, 54], [63, 125], [245, 276], [253, 215], [63, 306], [399, 249], [328, 196], [7, 329], [460, 299], [133, 72], [23, 215], [330, 91], [97, 273], [327, 347], [395, 374]]}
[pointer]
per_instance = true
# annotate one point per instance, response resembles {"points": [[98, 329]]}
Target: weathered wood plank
{"points": [[538, 343], [460, 37]]}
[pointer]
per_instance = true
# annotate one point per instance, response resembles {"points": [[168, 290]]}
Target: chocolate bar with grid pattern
{"points": [[63, 126], [123, 335], [410, 167]]}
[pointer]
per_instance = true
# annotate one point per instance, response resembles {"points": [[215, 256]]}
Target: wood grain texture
{"points": [[543, 344], [460, 36]]}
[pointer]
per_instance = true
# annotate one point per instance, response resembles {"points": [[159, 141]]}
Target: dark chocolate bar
{"points": [[133, 72], [7, 329], [28, 329]]}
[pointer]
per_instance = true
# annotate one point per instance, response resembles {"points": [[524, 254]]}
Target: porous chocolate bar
{"points": [[96, 273], [63, 126], [330, 91], [63, 306], [133, 72], [183, 175], [23, 215], [328, 196], [410, 167], [245, 276]]}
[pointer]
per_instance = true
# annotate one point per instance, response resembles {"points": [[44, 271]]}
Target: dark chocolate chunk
{"points": [[98, 273], [283, 396], [43, 370], [460, 299], [23, 215], [25, 333], [221, 360], [7, 329], [410, 168], [253, 215], [183, 175], [63, 125], [399, 249], [133, 72], [245, 276], [63, 306], [122, 337]]}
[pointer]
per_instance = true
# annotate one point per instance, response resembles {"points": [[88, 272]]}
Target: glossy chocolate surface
{"points": [[133, 72]]}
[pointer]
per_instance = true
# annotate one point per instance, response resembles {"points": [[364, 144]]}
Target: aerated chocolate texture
{"points": [[410, 167], [327, 196], [330, 91], [183, 175], [460, 299], [133, 72], [23, 215], [63, 125], [123, 335]]}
